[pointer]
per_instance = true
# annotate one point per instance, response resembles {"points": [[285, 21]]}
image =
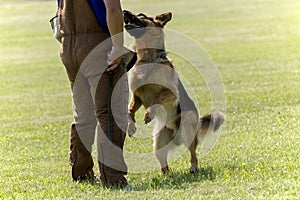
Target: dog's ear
{"points": [[164, 18]]}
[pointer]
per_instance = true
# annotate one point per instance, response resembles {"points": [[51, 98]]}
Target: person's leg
{"points": [[111, 132], [82, 130], [110, 152], [83, 127]]}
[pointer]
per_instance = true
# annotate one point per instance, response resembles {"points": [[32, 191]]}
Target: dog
{"points": [[154, 84]]}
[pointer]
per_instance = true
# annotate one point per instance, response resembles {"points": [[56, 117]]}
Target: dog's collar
{"points": [[151, 55]]}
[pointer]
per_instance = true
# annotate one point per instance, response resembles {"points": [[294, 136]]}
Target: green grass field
{"points": [[254, 43]]}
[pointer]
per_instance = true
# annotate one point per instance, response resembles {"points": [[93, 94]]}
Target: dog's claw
{"points": [[148, 116], [165, 170], [131, 129], [194, 170]]}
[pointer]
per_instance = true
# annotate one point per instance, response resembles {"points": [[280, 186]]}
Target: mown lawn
{"points": [[255, 45]]}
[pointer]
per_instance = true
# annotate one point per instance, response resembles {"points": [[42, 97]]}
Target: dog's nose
{"points": [[127, 15], [126, 12]]}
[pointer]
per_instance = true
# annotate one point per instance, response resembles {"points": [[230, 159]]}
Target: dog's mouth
{"points": [[133, 25], [132, 21]]}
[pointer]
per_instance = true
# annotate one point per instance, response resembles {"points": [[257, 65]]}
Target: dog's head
{"points": [[138, 25]]}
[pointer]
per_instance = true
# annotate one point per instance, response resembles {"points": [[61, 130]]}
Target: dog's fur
{"points": [[155, 84]]}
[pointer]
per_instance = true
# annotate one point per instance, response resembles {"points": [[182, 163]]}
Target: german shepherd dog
{"points": [[155, 84]]}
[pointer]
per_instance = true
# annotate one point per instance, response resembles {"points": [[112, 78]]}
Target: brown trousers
{"points": [[84, 54]]}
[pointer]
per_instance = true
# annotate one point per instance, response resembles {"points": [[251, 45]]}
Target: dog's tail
{"points": [[212, 120], [208, 131]]}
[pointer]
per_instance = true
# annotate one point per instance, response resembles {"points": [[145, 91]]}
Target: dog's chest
{"points": [[153, 74], [148, 92]]}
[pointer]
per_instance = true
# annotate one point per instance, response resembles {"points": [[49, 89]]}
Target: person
{"points": [[92, 56]]}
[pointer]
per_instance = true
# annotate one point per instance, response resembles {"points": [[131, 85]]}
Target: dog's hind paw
{"points": [[194, 169], [165, 170]]}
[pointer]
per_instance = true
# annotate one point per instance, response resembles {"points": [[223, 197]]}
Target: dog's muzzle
{"points": [[133, 25]]}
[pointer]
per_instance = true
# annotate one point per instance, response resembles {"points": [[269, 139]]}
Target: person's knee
{"points": [[101, 112]]}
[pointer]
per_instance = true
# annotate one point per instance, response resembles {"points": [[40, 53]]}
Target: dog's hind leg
{"points": [[188, 131], [194, 161], [162, 143]]}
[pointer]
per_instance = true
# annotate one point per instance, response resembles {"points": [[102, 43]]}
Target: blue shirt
{"points": [[99, 10]]}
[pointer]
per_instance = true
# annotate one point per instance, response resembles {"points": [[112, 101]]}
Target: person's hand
{"points": [[114, 58]]}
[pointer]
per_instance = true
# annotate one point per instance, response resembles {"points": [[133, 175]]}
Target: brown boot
{"points": [[111, 178], [80, 158]]}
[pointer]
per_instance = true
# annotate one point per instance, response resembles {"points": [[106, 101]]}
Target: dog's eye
{"points": [[145, 17], [140, 23]]}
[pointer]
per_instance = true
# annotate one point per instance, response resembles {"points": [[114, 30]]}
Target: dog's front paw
{"points": [[131, 129], [149, 115]]}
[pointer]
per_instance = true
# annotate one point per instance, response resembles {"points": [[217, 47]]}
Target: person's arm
{"points": [[114, 17]]}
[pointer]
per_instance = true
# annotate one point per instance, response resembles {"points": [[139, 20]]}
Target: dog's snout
{"points": [[128, 16]]}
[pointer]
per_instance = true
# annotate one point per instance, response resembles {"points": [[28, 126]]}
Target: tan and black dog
{"points": [[155, 84]]}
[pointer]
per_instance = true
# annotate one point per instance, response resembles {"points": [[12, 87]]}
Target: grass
{"points": [[255, 45]]}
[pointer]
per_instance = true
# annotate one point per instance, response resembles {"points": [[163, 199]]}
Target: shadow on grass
{"points": [[172, 180], [177, 179]]}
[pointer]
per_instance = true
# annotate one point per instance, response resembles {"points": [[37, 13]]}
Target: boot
{"points": [[80, 158]]}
